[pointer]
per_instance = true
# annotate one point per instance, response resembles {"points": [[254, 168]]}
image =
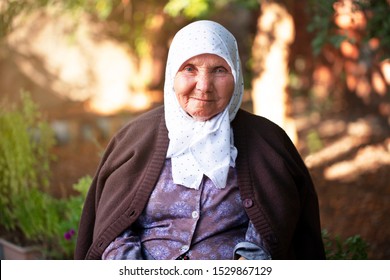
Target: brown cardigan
{"points": [[275, 186]]}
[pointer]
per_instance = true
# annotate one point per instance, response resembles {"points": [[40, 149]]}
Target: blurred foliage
{"points": [[190, 8], [63, 241], [325, 31], [322, 25], [351, 39], [25, 143], [379, 24], [25, 203], [134, 16], [352, 248], [201, 8], [52, 222], [314, 142], [10, 9]]}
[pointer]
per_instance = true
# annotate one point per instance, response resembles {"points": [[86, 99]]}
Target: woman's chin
{"points": [[202, 117]]}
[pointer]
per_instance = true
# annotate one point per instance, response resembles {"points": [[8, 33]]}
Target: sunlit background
{"points": [[319, 69]]}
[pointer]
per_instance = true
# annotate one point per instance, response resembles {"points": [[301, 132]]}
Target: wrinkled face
{"points": [[204, 85]]}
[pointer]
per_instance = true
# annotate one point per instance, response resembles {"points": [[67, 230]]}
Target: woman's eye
{"points": [[189, 68], [220, 70]]}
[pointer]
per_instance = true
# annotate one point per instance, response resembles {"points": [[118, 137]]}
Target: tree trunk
{"points": [[275, 33]]}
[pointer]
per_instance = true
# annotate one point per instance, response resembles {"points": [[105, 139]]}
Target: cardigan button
{"points": [[248, 203]]}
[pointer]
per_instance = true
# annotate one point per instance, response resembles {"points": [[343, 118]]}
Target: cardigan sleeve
{"points": [[121, 186], [127, 246], [307, 239], [88, 216], [252, 248], [282, 201]]}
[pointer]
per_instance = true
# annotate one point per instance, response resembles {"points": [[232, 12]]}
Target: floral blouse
{"points": [[184, 223]]}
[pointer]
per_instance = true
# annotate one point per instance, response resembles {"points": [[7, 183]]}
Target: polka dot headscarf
{"points": [[198, 148]]}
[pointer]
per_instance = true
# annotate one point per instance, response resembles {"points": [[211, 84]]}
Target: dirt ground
{"points": [[351, 173]]}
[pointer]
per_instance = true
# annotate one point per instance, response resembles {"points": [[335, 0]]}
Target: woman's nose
{"points": [[204, 82]]}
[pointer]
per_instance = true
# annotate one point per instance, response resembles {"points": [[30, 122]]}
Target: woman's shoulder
{"points": [[149, 118], [145, 121], [256, 128], [254, 122]]}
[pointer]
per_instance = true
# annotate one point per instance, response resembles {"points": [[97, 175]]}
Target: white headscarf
{"points": [[198, 148]]}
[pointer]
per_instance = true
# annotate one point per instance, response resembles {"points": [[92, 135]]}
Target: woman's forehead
{"points": [[207, 59]]}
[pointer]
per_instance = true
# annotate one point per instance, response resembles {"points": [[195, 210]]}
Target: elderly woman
{"points": [[199, 178]]}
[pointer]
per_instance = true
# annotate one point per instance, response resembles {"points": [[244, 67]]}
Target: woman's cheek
{"points": [[182, 86]]}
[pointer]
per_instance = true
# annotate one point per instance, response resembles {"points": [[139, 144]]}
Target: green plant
{"points": [[326, 32], [352, 248], [64, 240], [25, 143], [53, 222], [314, 142], [28, 211]]}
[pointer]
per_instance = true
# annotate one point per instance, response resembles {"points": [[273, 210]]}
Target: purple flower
{"points": [[69, 234]]}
